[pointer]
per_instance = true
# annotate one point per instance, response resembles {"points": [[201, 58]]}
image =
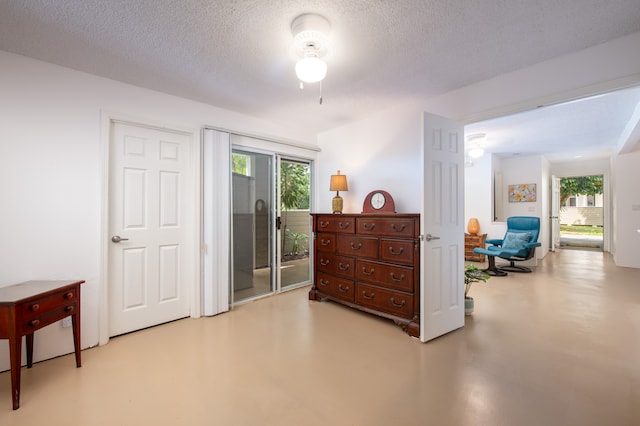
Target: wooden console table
{"points": [[29, 306]]}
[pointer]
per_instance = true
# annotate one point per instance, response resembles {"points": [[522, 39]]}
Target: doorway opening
{"points": [[582, 213]]}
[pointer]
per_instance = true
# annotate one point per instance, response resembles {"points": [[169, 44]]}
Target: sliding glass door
{"points": [[271, 225]]}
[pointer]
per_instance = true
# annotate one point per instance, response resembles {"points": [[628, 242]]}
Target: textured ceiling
{"points": [[237, 54]]}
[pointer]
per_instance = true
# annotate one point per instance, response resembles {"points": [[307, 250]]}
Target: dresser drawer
{"points": [[392, 302], [336, 265], [341, 288], [53, 301], [397, 251], [389, 276], [326, 242], [335, 223], [352, 245], [387, 227]]}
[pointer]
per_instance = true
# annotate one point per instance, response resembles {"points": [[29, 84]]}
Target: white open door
{"points": [[442, 248], [555, 213]]}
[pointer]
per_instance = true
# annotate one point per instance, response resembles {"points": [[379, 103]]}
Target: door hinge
{"points": [[278, 223]]}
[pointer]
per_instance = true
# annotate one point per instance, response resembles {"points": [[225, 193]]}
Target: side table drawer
{"points": [[60, 299], [49, 316]]}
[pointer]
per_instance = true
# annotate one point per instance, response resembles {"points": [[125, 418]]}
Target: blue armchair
{"points": [[518, 244]]}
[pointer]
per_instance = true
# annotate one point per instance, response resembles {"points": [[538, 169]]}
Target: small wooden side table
{"points": [[29, 306], [471, 242]]}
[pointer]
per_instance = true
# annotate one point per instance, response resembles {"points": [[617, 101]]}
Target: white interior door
{"points": [[555, 213], [151, 246], [442, 248]]}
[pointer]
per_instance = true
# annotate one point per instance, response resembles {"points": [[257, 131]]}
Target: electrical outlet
{"points": [[66, 322]]}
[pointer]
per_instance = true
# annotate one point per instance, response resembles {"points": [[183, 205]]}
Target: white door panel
{"points": [[150, 268], [442, 250]]}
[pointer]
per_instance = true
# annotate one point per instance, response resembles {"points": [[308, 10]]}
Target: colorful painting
{"points": [[522, 193]]}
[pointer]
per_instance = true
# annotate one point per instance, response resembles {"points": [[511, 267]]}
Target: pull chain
{"points": [[320, 92]]}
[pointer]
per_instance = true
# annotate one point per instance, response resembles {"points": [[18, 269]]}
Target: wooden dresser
{"points": [[471, 242], [369, 262]]}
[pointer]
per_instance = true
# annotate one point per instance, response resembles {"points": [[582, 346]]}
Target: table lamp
{"points": [[338, 183]]}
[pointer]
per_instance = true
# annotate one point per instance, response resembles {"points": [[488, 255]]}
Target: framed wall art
{"points": [[522, 193]]}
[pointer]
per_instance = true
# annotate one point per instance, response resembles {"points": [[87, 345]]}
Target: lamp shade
{"points": [[311, 69], [338, 182]]}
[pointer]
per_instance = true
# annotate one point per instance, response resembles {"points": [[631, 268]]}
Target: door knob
{"points": [[430, 237], [117, 239]]}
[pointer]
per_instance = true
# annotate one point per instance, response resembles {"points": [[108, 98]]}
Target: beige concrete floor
{"points": [[560, 346]]}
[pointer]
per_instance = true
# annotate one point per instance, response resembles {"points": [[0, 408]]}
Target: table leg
{"points": [[75, 321], [15, 355], [29, 339]]}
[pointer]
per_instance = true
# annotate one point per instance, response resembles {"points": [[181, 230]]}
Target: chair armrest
{"points": [[534, 244], [494, 242]]}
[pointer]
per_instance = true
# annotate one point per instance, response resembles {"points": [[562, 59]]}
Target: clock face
{"points": [[377, 200]]}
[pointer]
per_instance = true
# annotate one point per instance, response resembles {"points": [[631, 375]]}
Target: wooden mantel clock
{"points": [[379, 201]]}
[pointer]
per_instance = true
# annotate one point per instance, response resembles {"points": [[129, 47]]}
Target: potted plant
{"points": [[472, 274]]}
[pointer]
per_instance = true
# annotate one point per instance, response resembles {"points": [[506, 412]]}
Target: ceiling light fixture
{"points": [[476, 140], [311, 40]]}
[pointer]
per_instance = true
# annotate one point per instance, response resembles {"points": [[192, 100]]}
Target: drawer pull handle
{"points": [[398, 305], [364, 271], [398, 229], [344, 266], [343, 225], [323, 282], [35, 307], [396, 279], [364, 294], [68, 295], [34, 323], [69, 308], [368, 227], [325, 242], [324, 262], [324, 224], [343, 289], [354, 247], [396, 253]]}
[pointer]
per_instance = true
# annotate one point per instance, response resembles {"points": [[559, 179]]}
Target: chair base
{"points": [[513, 268], [492, 269]]}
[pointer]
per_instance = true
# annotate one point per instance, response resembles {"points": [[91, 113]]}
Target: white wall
{"points": [[627, 210], [381, 152], [51, 175]]}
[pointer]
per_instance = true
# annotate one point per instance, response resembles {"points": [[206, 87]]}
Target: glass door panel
{"points": [[295, 230], [252, 189]]}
